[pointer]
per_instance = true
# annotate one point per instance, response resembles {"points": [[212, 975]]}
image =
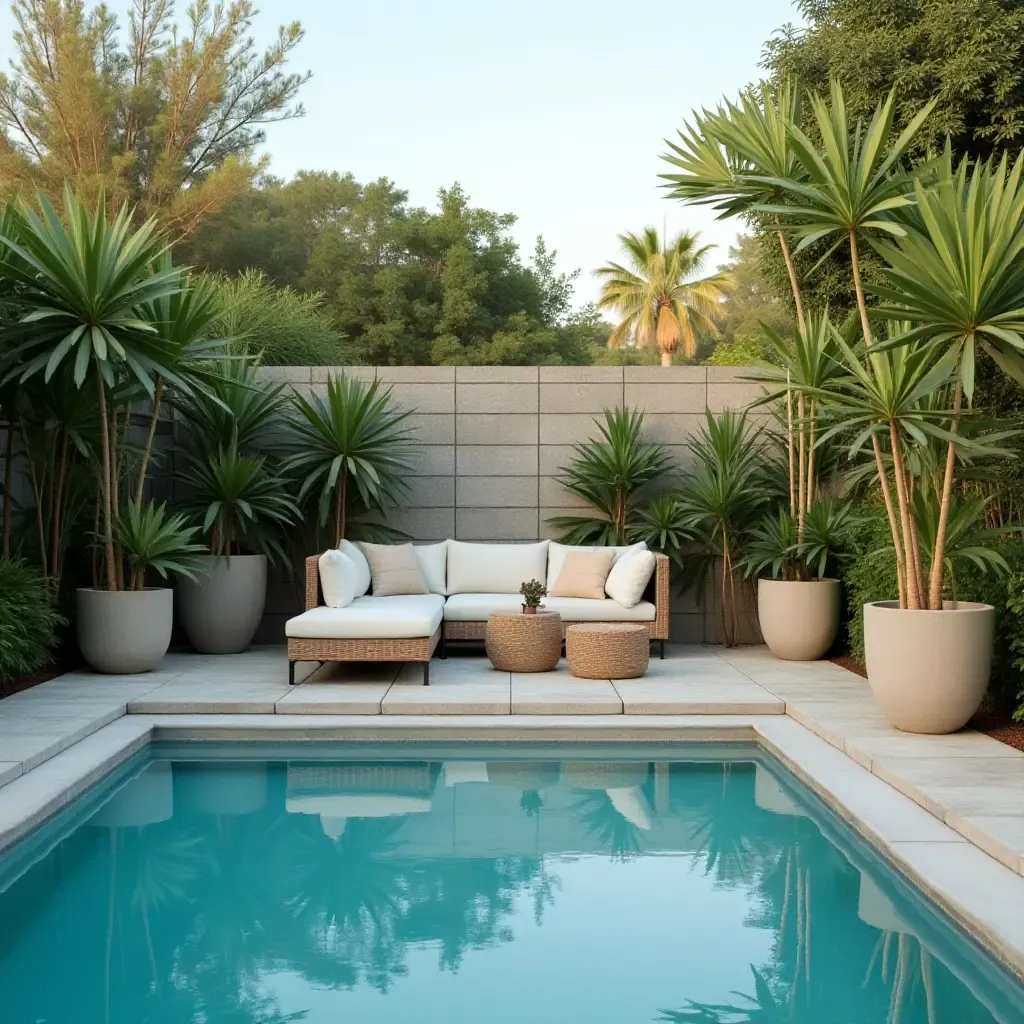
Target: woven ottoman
{"points": [[607, 650], [524, 643]]}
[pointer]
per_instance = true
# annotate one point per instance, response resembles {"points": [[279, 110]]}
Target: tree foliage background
{"points": [[164, 115], [969, 54], [403, 284]]}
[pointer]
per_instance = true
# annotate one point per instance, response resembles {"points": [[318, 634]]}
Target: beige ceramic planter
{"points": [[798, 620], [929, 670]]}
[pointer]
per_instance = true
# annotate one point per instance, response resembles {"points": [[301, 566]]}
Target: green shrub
{"points": [[28, 619], [871, 576], [285, 327]]}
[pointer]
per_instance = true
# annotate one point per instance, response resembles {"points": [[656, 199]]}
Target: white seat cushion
{"points": [[494, 568], [476, 608], [371, 618]]}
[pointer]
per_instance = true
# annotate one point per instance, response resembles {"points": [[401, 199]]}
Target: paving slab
{"points": [[559, 693], [696, 696], [1000, 836], [334, 689], [458, 686], [985, 896], [211, 697]]}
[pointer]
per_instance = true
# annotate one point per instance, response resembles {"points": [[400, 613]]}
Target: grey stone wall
{"points": [[495, 438]]}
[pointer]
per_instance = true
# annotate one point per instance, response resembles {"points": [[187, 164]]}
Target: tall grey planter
{"points": [[220, 610], [122, 632]]}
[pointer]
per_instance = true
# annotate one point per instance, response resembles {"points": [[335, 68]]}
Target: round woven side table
{"points": [[607, 650], [524, 643]]}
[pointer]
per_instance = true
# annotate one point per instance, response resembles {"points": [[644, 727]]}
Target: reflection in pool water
{"points": [[450, 890]]}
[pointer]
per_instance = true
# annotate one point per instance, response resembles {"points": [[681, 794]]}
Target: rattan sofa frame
{"points": [[421, 649]]}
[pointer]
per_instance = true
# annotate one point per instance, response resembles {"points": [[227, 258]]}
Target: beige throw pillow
{"points": [[583, 574], [394, 569]]}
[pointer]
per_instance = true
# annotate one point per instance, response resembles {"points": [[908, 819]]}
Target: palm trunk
{"points": [[339, 507], [939, 554], [56, 519], [802, 478], [913, 591], [883, 480], [115, 496], [915, 550], [12, 426], [146, 451], [793, 283], [862, 307], [810, 460], [108, 536], [791, 447], [666, 358]]}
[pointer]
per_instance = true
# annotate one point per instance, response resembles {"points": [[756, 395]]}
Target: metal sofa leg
{"points": [[291, 672], [426, 673], [662, 653]]}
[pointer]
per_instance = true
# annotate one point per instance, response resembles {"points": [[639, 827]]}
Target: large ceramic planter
{"points": [[798, 620], [122, 632], [929, 670], [220, 610]]}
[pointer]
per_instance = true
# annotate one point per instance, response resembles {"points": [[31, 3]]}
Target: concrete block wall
{"points": [[495, 438]]}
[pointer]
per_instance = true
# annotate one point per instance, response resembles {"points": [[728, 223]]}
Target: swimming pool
{"points": [[475, 882]]}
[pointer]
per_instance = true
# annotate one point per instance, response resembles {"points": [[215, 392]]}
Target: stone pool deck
{"points": [[972, 783], [947, 811]]}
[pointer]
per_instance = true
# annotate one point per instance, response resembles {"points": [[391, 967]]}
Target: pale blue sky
{"points": [[554, 110]]}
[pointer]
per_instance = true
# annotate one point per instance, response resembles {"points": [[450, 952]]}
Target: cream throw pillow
{"points": [[584, 574], [395, 569], [433, 559], [339, 578], [629, 578], [557, 553]]}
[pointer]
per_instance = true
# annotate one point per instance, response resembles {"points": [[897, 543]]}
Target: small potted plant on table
{"points": [[533, 592]]}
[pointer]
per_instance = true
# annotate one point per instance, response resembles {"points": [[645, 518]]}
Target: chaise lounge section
{"points": [[479, 579]]}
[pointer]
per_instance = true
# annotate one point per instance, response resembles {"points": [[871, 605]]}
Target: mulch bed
{"points": [[18, 683], [999, 727], [850, 663]]}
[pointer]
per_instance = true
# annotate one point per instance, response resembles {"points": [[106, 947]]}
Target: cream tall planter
{"points": [[122, 632], [798, 620], [220, 610], [929, 670]]}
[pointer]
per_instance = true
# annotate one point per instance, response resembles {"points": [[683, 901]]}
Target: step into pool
{"points": [[498, 883]]}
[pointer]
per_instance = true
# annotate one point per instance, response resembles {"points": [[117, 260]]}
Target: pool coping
{"points": [[973, 889]]}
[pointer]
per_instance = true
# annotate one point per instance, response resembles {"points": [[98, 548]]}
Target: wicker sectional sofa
{"points": [[480, 578]]}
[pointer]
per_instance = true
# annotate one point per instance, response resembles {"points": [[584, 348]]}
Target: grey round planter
{"points": [[220, 610], [929, 670], [122, 632], [798, 619]]}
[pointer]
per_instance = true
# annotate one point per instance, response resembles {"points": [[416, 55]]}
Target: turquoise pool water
{"points": [[478, 884]]}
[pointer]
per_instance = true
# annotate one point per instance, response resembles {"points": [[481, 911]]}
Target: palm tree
{"points": [[352, 439], [661, 298]]}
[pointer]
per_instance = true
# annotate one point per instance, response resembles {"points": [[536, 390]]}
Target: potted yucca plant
{"points": [[240, 501], [101, 307], [951, 243]]}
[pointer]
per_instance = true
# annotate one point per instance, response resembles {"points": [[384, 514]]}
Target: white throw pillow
{"points": [[557, 553], [433, 559], [339, 578], [494, 568], [346, 547], [629, 577]]}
